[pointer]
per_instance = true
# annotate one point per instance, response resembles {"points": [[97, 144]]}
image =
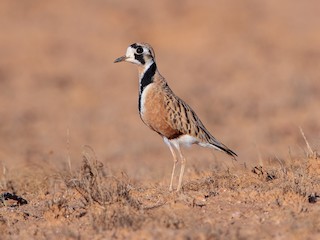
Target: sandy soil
{"points": [[251, 72]]}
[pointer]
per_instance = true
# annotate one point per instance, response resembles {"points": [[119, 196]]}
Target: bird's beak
{"points": [[120, 59]]}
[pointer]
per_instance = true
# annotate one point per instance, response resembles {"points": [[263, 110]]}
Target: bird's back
{"points": [[183, 121]]}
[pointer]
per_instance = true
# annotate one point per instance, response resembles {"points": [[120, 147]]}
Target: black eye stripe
{"points": [[140, 58], [141, 52]]}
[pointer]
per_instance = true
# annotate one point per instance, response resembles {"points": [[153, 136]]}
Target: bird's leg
{"points": [[175, 161], [183, 164]]}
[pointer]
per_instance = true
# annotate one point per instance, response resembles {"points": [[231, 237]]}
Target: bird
{"points": [[165, 113]]}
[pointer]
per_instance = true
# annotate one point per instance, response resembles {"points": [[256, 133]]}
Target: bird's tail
{"points": [[229, 152], [223, 148]]}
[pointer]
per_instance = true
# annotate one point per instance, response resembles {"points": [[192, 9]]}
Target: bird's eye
{"points": [[139, 50]]}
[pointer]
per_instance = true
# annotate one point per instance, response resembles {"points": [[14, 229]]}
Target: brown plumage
{"points": [[164, 112]]}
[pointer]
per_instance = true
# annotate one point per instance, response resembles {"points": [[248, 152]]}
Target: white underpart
{"points": [[184, 140], [187, 141], [143, 98], [208, 145], [145, 90]]}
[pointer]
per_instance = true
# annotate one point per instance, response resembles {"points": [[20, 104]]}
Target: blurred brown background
{"points": [[249, 69]]}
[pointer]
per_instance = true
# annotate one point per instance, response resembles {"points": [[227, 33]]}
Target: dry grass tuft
{"points": [[96, 186], [310, 152], [109, 195], [91, 198]]}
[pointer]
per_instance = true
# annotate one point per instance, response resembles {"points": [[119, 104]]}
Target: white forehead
{"points": [[130, 51]]}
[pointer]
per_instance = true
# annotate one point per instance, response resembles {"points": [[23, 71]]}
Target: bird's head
{"points": [[141, 54]]}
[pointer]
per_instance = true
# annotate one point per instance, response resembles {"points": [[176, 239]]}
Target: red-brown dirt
{"points": [[249, 69]]}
